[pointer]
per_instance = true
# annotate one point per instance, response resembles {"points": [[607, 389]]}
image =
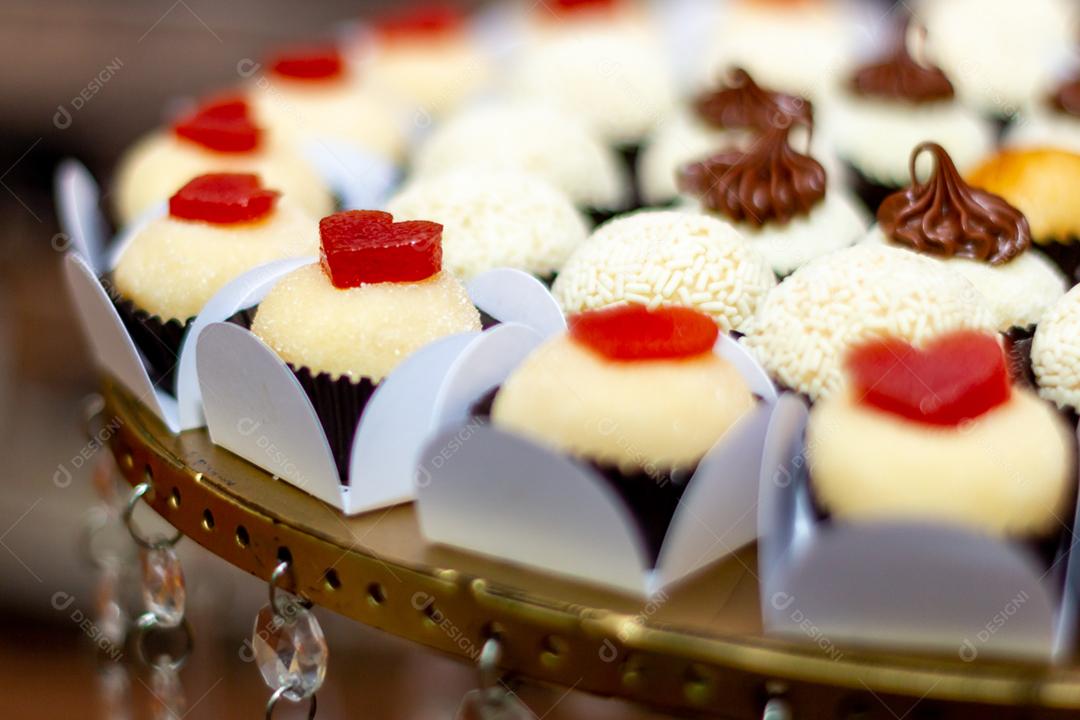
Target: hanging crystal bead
{"points": [[163, 585], [114, 691], [110, 618], [290, 650], [168, 694]]}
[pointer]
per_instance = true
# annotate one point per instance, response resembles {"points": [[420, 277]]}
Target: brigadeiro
{"points": [[494, 219], [378, 295], [218, 227], [1043, 183], [310, 94], [982, 237], [780, 199], [808, 323], [1054, 121], [428, 56], [638, 394], [533, 137], [602, 61], [939, 434], [890, 106], [666, 257], [1055, 354], [220, 135], [730, 114]]}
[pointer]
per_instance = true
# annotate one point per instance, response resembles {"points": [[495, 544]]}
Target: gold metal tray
{"points": [[697, 650]]}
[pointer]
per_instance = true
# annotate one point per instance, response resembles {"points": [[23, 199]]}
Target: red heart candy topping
{"points": [[309, 63], [223, 199], [572, 7], [367, 246], [958, 377], [634, 332], [420, 22], [223, 125]]}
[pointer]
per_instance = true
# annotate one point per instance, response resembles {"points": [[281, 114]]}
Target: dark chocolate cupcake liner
{"points": [[1018, 354], [598, 216], [339, 404], [629, 154], [870, 192], [158, 340], [1065, 253], [651, 496]]}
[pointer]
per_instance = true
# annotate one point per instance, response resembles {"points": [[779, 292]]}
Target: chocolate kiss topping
{"points": [[768, 182], [743, 104], [1066, 98], [900, 77], [947, 217]]}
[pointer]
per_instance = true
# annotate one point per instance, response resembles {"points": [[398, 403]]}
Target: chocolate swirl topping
{"points": [[900, 77], [768, 182], [945, 216], [743, 104], [1066, 98]]}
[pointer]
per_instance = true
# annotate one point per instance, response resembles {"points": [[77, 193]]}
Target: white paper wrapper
{"points": [[256, 407], [918, 586], [498, 494]]}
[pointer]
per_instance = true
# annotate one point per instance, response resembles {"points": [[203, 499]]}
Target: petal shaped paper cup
{"points": [[498, 494], [91, 256], [919, 586], [256, 407]]}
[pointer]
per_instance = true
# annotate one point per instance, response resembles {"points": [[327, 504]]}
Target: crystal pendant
{"points": [[114, 691], [110, 617], [163, 585], [496, 703], [168, 694], [290, 650]]}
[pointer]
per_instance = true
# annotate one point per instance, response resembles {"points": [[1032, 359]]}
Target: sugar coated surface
{"points": [[363, 331], [667, 257], [807, 324], [173, 267], [494, 219], [1055, 352]]}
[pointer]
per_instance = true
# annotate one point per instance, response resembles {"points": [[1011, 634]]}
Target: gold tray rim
{"points": [[658, 666]]}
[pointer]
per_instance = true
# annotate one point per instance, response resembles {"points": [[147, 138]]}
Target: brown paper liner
{"points": [[1018, 354], [870, 192], [339, 403], [598, 217], [1066, 255], [243, 318], [651, 497], [629, 154], [158, 340], [487, 321]]}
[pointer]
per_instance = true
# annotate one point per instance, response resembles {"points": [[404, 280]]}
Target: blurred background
{"points": [[84, 79], [150, 51]]}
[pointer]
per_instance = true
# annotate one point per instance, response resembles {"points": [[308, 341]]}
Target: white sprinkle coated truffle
{"points": [[812, 318], [530, 137], [494, 219], [667, 258], [1055, 352]]}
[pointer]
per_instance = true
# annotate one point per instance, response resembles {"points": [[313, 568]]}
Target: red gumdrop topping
{"points": [[634, 332], [573, 7], [226, 106], [367, 246], [310, 63], [223, 125], [420, 22], [223, 199], [957, 378]]}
